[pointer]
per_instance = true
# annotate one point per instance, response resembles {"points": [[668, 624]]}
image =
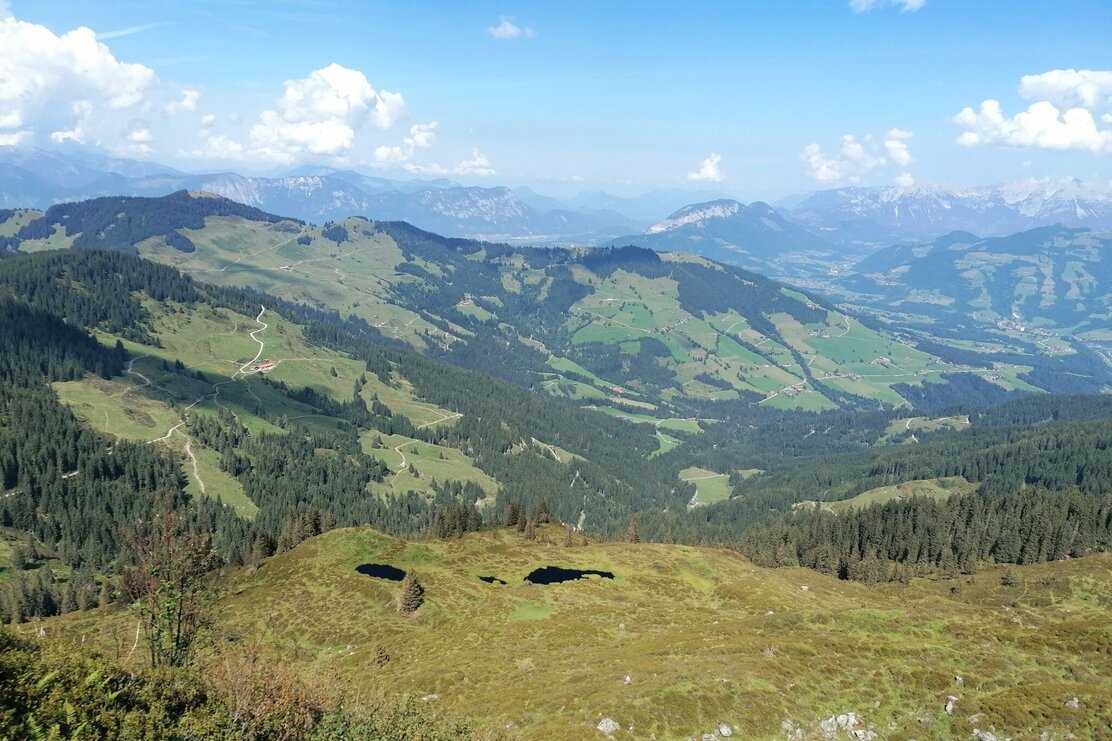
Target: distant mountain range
{"points": [[884, 216], [800, 237], [756, 237], [39, 178], [1049, 279]]}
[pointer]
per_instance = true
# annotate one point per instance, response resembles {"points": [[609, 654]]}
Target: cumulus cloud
{"points": [[421, 136], [709, 171], [856, 157], [478, 165], [895, 145], [321, 113], [905, 6], [218, 147], [137, 142], [1069, 88], [187, 102], [508, 30], [1041, 126], [208, 121], [62, 83], [904, 180], [1068, 104]]}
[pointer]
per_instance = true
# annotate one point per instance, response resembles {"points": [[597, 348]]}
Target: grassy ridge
{"points": [[683, 639]]}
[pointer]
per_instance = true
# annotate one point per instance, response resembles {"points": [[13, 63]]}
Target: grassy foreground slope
{"points": [[682, 639]]}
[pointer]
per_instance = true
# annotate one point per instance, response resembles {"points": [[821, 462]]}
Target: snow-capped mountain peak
{"points": [[883, 215]]}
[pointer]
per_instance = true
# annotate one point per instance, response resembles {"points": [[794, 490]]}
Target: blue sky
{"points": [[751, 98]]}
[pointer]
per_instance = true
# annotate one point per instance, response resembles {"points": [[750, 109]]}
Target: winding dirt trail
{"points": [[239, 376], [243, 369], [446, 418]]}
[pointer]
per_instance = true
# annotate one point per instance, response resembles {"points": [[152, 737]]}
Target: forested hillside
{"points": [[633, 332], [259, 461]]}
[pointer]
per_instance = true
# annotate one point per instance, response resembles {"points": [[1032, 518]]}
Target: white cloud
{"points": [[905, 6], [1041, 126], [63, 83], [208, 121], [320, 114], [708, 172], [1068, 88], [857, 157], [478, 165], [823, 169], [421, 136], [218, 147], [82, 110], [11, 140], [895, 145], [1063, 117], [137, 142], [507, 30], [5, 10], [391, 155], [904, 180], [187, 102]]}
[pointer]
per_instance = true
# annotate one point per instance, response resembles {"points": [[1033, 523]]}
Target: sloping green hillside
{"points": [[622, 327], [1038, 298], [682, 640]]}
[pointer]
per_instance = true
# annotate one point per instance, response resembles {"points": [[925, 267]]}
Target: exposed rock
{"points": [[791, 730], [984, 735], [429, 698], [805, 588], [627, 679], [725, 730], [950, 700], [959, 681], [609, 726], [1073, 703]]}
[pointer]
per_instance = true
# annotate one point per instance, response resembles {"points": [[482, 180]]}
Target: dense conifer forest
{"points": [[73, 491]]}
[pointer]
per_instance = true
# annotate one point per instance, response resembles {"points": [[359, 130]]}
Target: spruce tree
{"points": [[513, 513], [541, 513], [631, 533], [411, 595], [530, 530], [568, 543], [19, 558]]}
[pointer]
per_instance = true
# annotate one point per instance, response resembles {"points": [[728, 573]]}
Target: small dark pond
{"points": [[491, 580], [555, 575], [381, 571]]}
